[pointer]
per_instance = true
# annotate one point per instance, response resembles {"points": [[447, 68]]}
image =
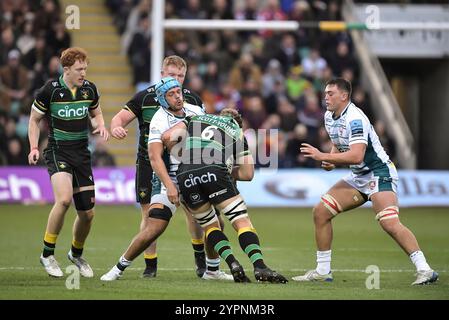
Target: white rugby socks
{"points": [[323, 259], [419, 260]]}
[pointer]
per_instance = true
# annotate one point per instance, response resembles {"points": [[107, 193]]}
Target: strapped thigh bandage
{"points": [[206, 218], [388, 213], [235, 210], [331, 204]]}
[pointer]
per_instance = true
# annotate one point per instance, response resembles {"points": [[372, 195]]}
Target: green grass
{"points": [[287, 239]]}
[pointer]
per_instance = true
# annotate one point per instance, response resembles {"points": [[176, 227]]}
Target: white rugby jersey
{"points": [[164, 120], [351, 127]]}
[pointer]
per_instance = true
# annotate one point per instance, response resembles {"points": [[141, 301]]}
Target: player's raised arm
{"points": [[97, 121], [119, 123], [33, 136]]}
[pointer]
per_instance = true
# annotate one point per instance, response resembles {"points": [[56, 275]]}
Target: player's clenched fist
{"points": [[33, 156], [119, 133]]}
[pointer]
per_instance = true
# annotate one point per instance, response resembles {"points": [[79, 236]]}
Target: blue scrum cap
{"points": [[162, 87]]}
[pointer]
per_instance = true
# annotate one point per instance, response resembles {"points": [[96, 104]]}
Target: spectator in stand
{"points": [[271, 12], [220, 9], [360, 99], [139, 53], [314, 65], [7, 45], [26, 41], [58, 39], [249, 11], [193, 10], [288, 54], [296, 84], [312, 114], [273, 74], [287, 114], [14, 84], [47, 16], [228, 97], [243, 70], [196, 84], [254, 111], [38, 57], [133, 15], [231, 53], [16, 155], [343, 59], [212, 78], [271, 101]]}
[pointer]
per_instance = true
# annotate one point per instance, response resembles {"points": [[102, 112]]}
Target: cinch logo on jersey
{"points": [[68, 112], [205, 178]]}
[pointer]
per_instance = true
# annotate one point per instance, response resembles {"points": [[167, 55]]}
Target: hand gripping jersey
{"points": [[164, 120], [144, 105], [353, 127], [67, 111]]}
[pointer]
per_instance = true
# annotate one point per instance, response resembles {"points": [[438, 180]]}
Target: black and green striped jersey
{"points": [[144, 105], [67, 111], [213, 139]]}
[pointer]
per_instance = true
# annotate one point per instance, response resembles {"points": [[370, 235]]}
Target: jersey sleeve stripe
{"points": [[40, 105], [36, 108], [94, 106], [358, 141], [129, 109]]}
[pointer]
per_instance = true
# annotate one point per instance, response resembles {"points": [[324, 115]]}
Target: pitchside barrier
{"points": [[269, 188]]}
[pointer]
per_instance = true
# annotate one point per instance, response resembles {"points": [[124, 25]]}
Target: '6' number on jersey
{"points": [[208, 132]]}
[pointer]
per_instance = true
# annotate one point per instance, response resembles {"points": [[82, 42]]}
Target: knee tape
{"points": [[235, 210], [331, 204], [161, 213], [84, 200], [390, 212], [206, 218]]}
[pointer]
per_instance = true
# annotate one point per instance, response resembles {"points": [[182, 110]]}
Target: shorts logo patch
{"points": [[372, 185], [62, 164], [356, 128], [143, 192], [218, 193], [195, 197], [85, 94]]}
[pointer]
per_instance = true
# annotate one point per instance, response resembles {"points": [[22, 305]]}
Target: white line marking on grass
{"points": [[191, 269]]}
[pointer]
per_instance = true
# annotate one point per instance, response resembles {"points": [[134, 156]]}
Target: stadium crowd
{"points": [[273, 78]]}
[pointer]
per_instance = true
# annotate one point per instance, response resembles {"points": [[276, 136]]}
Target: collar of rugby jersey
{"points": [[343, 112]]}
